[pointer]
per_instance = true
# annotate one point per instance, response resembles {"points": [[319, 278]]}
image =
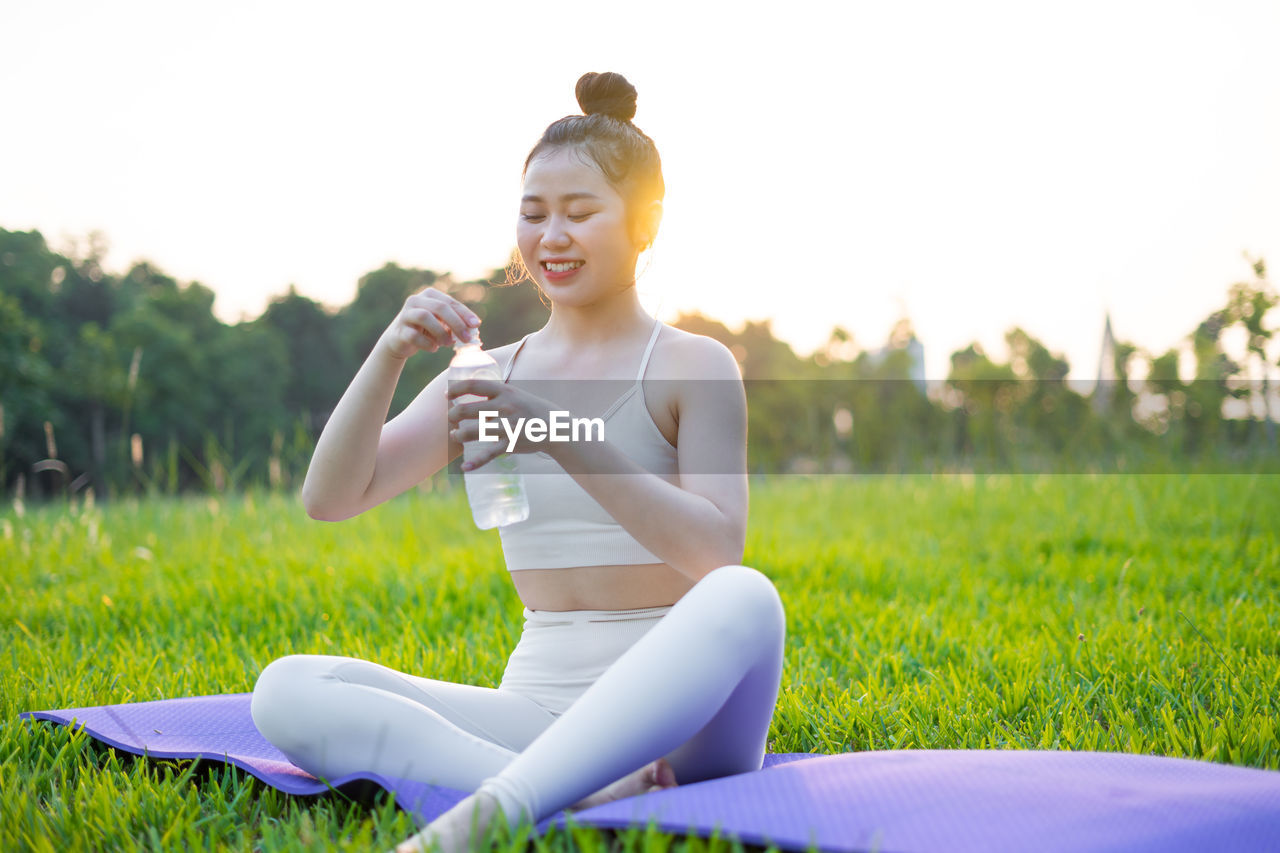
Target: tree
{"points": [[25, 382], [317, 373], [30, 272], [1248, 304], [1053, 416], [1164, 382], [987, 391], [251, 382], [171, 400], [96, 377], [1209, 390], [894, 426]]}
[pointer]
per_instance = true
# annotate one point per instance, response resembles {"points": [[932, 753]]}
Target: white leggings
{"points": [[587, 697]]}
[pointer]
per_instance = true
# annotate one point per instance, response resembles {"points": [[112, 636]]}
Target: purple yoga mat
{"points": [[954, 800], [220, 728]]}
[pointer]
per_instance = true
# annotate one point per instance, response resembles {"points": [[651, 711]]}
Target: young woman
{"points": [[648, 655]]}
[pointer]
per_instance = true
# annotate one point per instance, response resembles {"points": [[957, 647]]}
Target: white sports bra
{"points": [[566, 527]]}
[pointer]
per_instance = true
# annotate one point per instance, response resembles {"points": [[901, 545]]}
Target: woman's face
{"points": [[572, 232]]}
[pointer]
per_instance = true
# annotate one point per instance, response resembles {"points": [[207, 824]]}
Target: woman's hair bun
{"points": [[608, 94]]}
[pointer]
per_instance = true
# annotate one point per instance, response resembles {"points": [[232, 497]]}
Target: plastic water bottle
{"points": [[495, 489]]}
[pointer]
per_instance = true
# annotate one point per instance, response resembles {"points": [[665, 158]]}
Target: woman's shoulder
{"points": [[684, 355], [502, 354]]}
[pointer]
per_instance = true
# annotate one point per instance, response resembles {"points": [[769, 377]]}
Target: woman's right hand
{"points": [[429, 320]]}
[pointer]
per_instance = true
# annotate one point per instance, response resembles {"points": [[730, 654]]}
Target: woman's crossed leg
{"points": [[697, 692], [337, 715]]}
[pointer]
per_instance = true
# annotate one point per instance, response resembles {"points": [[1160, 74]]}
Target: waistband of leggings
{"points": [[582, 617]]}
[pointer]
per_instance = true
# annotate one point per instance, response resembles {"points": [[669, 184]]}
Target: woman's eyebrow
{"points": [[565, 197]]}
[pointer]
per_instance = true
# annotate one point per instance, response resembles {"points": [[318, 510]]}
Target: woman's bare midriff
{"points": [[601, 587]]}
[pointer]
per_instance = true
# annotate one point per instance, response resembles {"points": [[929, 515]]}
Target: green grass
{"points": [[1118, 613]]}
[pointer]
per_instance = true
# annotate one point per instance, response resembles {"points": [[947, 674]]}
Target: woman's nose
{"points": [[555, 235]]}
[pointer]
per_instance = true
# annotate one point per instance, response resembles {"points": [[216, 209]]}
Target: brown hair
{"points": [[625, 155]]}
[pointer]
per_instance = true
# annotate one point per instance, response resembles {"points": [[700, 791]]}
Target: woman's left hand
{"points": [[506, 409]]}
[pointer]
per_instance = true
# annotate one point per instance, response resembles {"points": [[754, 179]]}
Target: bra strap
{"points": [[511, 362], [644, 361]]}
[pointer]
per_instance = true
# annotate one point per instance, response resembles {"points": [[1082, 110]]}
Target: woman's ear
{"points": [[647, 221]]}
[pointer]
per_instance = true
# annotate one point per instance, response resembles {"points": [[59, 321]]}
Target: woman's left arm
{"points": [[701, 524], [696, 526]]}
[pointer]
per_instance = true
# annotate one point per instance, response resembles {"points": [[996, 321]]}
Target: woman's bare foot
{"points": [[457, 830], [654, 776]]}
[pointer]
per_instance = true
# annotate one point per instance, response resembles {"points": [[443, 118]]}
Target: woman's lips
{"points": [[561, 270]]}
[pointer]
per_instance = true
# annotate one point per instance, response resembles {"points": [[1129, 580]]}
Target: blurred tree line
{"points": [[129, 383]]}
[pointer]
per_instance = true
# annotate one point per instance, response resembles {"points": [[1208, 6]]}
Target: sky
{"points": [[969, 166]]}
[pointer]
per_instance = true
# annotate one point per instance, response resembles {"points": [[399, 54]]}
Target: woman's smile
{"points": [[557, 270]]}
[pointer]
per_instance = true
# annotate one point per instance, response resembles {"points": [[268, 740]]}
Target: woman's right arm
{"points": [[360, 459]]}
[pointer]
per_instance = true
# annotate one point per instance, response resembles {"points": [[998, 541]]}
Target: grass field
{"points": [[1117, 613]]}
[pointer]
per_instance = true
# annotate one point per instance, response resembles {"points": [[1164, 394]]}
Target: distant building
{"points": [[1104, 388], [915, 349], [915, 352]]}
